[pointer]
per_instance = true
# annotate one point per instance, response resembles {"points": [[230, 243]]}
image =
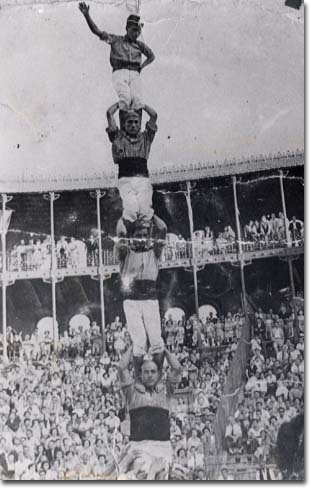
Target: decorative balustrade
{"points": [[173, 255], [173, 173]]}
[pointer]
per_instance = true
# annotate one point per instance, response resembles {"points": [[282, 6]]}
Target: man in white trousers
{"points": [[139, 266], [130, 151], [125, 58]]}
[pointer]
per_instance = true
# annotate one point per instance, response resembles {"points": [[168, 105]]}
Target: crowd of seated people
{"points": [[70, 252], [274, 389], [271, 229], [62, 413], [204, 243], [194, 333]]}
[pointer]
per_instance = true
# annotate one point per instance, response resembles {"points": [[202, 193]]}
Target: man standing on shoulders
{"points": [[130, 151], [139, 267], [125, 58]]}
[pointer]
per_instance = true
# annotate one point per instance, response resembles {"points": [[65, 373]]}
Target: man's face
{"points": [[133, 32], [141, 233], [150, 375], [132, 125]]}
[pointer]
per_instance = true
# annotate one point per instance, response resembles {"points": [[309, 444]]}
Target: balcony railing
{"points": [[172, 253]]}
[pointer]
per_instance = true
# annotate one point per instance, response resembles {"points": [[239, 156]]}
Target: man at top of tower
{"points": [[125, 58]]}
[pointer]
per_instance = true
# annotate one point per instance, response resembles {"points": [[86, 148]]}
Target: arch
{"points": [[175, 312], [46, 325], [79, 321], [204, 311]]}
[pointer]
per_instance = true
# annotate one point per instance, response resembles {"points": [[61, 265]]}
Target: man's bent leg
{"points": [[120, 82], [135, 85], [152, 322], [129, 198], [144, 192], [125, 228], [135, 326]]}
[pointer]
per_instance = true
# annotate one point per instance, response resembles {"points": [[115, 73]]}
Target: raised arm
{"points": [[173, 362], [123, 366], [112, 126], [174, 376], [152, 114], [91, 24]]}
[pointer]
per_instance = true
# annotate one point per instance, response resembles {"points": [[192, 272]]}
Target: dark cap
{"points": [[134, 20]]}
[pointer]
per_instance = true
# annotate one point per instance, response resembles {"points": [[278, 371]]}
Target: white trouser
{"points": [[143, 323], [151, 459], [137, 198], [128, 85]]}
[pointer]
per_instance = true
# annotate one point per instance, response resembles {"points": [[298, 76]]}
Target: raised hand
{"points": [[84, 8]]}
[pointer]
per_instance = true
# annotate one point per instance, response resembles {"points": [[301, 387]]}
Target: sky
{"points": [[228, 81]]}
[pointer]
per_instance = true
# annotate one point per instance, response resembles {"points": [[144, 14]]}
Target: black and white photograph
{"points": [[152, 228]]}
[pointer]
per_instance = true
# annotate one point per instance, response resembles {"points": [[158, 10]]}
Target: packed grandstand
{"points": [[63, 414]]}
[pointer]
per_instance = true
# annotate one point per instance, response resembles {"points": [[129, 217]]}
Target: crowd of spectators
{"points": [[274, 389], [269, 231], [204, 243], [211, 331], [70, 252], [62, 412]]}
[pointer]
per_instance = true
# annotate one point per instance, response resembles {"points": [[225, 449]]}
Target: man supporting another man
{"points": [[139, 266], [148, 402], [130, 151]]}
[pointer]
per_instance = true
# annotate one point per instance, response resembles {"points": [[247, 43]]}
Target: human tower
{"points": [[140, 232]]}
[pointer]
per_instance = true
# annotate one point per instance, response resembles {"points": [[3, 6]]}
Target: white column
{"points": [[289, 243], [4, 280], [284, 210], [53, 197], [191, 224], [99, 195], [239, 240]]}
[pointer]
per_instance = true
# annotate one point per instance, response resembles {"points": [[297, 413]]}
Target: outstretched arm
{"points": [[91, 24]]}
